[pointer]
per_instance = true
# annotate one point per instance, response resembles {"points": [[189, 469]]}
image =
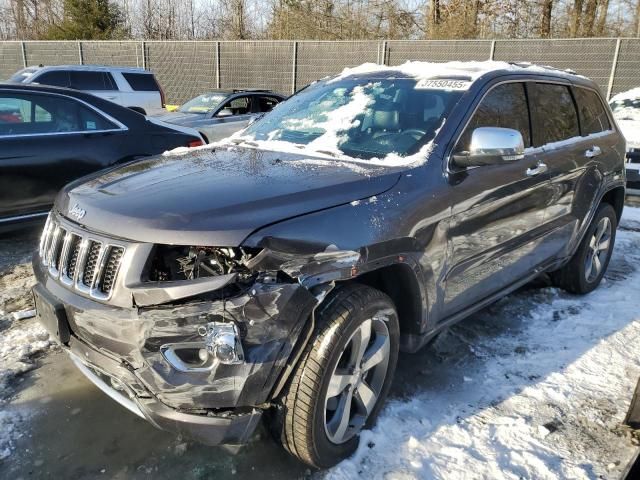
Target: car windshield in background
{"points": [[22, 75], [361, 120], [203, 103]]}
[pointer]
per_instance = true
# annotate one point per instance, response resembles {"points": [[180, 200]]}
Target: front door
{"points": [[498, 211]]}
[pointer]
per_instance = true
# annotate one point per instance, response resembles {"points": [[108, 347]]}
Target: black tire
{"points": [[301, 421], [573, 277]]}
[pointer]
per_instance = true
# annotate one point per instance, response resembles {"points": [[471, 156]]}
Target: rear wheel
{"points": [[588, 265], [343, 377]]}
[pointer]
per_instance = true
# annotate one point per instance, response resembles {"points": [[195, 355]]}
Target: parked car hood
{"points": [[215, 196]]}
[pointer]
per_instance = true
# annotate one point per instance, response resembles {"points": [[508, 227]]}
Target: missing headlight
{"points": [[191, 262]]}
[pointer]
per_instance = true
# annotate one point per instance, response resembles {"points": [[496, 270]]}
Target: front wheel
{"points": [[588, 265], [343, 376]]}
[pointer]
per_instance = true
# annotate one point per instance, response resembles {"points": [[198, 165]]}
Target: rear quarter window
{"points": [[141, 82], [593, 115]]}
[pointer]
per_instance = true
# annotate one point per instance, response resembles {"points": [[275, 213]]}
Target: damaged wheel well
{"points": [[400, 284]]}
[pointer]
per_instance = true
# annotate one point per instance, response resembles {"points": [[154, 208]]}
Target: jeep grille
{"points": [[89, 265]]}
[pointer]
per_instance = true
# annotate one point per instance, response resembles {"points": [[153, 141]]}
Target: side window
{"points": [[239, 106], [24, 114], [83, 80], [504, 106], [141, 82], [555, 112], [56, 78], [593, 116], [267, 103]]}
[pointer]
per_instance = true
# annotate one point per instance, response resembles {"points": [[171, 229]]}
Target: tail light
{"points": [[195, 143]]}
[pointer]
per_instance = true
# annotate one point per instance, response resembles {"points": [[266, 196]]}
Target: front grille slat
{"points": [[80, 261], [89, 270], [114, 257]]}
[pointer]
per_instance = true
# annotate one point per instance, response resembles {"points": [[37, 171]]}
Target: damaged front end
{"points": [[191, 336]]}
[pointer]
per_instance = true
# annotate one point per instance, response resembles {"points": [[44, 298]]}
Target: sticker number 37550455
{"points": [[443, 84]]}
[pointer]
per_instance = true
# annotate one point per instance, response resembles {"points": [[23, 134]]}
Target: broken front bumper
{"points": [[220, 428]]}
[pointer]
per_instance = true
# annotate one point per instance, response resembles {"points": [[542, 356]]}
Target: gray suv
{"points": [[278, 276]]}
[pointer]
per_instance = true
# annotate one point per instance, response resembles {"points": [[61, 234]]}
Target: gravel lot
{"points": [[534, 386]]}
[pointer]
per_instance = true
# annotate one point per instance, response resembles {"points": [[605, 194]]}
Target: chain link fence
{"points": [[188, 68]]}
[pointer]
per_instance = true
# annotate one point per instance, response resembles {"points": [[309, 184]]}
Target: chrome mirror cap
{"points": [[492, 146]]}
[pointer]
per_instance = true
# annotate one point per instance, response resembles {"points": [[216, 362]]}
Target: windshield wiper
{"points": [[328, 152]]}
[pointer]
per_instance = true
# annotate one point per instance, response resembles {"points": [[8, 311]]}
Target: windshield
{"points": [[22, 75], [203, 103], [359, 118]]}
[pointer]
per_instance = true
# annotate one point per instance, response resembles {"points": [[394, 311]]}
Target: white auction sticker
{"points": [[443, 84]]}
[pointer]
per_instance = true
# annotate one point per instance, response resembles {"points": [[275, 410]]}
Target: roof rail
{"points": [[549, 67]]}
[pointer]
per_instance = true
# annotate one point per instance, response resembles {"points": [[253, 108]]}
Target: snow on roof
{"points": [[430, 70]]}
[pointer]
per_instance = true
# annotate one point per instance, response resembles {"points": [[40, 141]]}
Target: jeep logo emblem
{"points": [[77, 212]]}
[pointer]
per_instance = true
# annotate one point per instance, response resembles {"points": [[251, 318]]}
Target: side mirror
{"points": [[491, 146], [225, 112]]}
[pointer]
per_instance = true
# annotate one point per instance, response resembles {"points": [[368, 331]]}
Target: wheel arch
{"points": [[615, 197], [400, 283]]}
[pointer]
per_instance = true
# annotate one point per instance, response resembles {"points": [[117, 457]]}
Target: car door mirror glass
{"points": [[491, 146], [225, 112]]}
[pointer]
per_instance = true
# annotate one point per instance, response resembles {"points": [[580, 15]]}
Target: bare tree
{"points": [[545, 23], [576, 18]]}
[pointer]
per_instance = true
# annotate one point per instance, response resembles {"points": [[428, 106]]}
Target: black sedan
{"points": [[50, 136]]}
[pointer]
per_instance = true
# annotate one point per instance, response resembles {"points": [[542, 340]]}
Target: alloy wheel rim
{"points": [[357, 380], [599, 246]]}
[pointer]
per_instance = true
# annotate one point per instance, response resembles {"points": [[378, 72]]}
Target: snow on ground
{"points": [[21, 337], [545, 399]]}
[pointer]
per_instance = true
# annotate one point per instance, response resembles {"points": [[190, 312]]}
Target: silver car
{"points": [[220, 113]]}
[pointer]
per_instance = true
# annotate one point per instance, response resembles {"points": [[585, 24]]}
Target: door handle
{"points": [[537, 170], [593, 152]]}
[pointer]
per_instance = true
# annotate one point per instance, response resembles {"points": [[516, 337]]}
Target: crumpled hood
{"points": [[215, 196]]}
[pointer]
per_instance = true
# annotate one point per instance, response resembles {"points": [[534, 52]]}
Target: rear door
{"points": [[572, 129], [46, 142], [98, 83], [496, 229]]}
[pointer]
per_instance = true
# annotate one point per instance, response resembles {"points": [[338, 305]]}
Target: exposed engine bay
{"points": [[192, 262]]}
